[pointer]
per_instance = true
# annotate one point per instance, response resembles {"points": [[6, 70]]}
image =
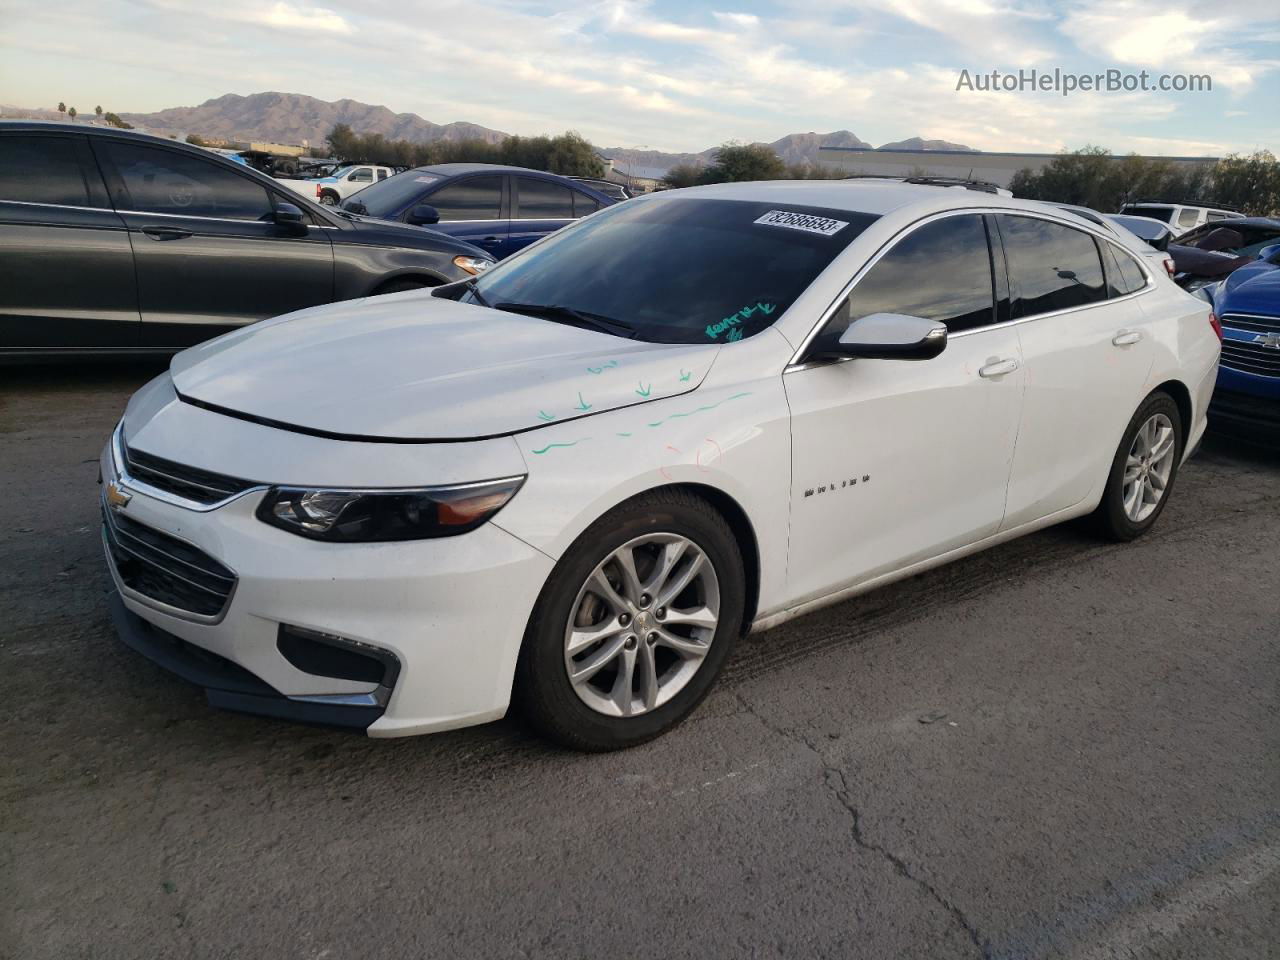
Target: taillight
{"points": [[1170, 267], [1213, 322], [318, 196]]}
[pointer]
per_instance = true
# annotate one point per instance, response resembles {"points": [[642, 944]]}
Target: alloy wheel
{"points": [[1148, 467], [641, 625]]}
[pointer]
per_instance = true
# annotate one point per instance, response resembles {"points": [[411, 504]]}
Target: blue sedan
{"points": [[498, 208], [1247, 398]]}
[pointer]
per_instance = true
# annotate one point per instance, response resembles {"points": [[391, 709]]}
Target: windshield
{"points": [[1141, 226], [386, 198], [679, 270]]}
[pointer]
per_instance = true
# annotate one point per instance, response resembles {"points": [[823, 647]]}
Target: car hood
{"points": [[416, 367], [1251, 289]]}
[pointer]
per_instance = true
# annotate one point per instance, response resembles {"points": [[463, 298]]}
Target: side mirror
{"points": [[289, 215], [1161, 242], [423, 214], [1270, 253], [893, 336]]}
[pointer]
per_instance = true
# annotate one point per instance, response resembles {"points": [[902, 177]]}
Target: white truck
{"points": [[332, 190]]}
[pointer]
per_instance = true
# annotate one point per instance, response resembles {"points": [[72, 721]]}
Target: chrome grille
{"points": [[165, 569], [190, 483], [1238, 321], [1251, 358]]}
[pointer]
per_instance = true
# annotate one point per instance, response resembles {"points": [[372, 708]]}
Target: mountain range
{"points": [[296, 118]]}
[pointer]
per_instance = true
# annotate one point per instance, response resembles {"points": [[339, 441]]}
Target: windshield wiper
{"points": [[561, 314]]}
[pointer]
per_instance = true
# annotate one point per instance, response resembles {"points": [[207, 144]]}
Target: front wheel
{"points": [[633, 625], [1143, 471], [329, 198]]}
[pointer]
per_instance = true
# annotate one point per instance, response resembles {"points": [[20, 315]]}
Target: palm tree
{"points": [[98, 110], [71, 112], [62, 107]]}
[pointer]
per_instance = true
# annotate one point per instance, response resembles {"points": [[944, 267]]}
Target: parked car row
{"points": [[115, 241]]}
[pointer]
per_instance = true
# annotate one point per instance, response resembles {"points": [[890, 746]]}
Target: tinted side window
{"points": [[582, 204], [477, 198], [941, 271], [164, 181], [542, 200], [1131, 278], [43, 170], [1051, 267]]}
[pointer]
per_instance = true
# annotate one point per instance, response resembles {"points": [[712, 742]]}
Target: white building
{"points": [[997, 168]]}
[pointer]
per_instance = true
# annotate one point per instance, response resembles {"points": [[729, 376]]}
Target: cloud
{"points": [[290, 16], [1177, 36]]}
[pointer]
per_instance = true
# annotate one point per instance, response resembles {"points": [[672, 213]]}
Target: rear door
{"points": [[66, 266], [208, 253], [542, 207], [1087, 347], [472, 208]]}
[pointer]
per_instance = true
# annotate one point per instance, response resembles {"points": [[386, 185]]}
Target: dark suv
{"points": [[120, 242]]}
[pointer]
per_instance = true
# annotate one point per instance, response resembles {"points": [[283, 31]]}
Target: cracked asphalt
{"points": [[1057, 748]]}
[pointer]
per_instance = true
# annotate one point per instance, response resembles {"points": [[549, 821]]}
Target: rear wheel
{"points": [[329, 198], [633, 625], [1143, 471]]}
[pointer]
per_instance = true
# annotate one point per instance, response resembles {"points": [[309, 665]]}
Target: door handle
{"points": [[166, 233], [998, 368], [488, 241], [1126, 338]]}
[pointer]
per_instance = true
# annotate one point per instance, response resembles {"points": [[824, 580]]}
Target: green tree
{"points": [[196, 140], [682, 175], [71, 112], [115, 121], [1250, 184], [62, 107], [98, 110], [736, 162]]}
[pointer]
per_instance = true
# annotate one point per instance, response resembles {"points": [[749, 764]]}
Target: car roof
{"points": [[453, 169], [876, 197]]}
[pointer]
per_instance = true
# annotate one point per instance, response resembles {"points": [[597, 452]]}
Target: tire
{"points": [[1115, 517], [329, 199], [399, 286], [648, 528]]}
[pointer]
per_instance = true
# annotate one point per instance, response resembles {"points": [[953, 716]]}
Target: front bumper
{"points": [[451, 612]]}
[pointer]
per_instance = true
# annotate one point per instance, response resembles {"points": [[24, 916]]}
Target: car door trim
{"points": [[797, 362]]}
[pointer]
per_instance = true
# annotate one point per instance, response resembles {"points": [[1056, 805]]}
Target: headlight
{"points": [[473, 265], [365, 516]]}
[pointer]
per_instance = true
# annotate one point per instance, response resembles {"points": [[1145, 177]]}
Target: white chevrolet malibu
{"points": [[574, 481]]}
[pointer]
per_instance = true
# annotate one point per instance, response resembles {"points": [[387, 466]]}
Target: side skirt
{"points": [[771, 620]]}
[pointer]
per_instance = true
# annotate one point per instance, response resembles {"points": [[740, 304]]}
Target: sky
{"points": [[679, 76]]}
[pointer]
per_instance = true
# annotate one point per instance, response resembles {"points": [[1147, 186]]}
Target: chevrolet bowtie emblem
{"points": [[117, 496], [1269, 340]]}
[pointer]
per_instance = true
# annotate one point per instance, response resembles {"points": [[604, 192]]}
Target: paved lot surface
{"points": [[1100, 776]]}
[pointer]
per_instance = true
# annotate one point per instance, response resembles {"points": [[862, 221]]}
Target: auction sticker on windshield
{"points": [[802, 221]]}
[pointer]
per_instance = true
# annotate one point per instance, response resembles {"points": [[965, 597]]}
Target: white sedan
{"points": [[576, 480]]}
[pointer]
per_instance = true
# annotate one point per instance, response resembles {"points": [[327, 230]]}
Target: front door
{"points": [[897, 461], [209, 255]]}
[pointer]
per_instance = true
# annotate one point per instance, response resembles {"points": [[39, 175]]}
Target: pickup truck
{"points": [[345, 181]]}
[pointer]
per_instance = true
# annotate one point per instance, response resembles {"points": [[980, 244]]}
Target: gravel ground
{"points": [[1057, 748]]}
